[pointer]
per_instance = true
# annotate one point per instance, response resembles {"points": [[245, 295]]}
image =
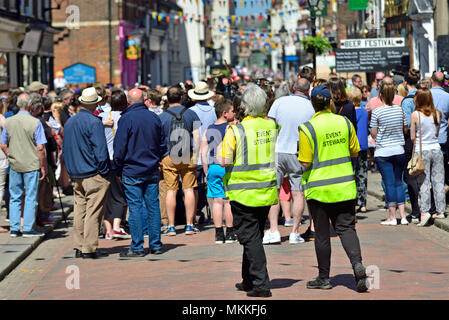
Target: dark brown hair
{"points": [[270, 97], [308, 73], [238, 110], [118, 101], [412, 77], [155, 96], [338, 91], [424, 103]]}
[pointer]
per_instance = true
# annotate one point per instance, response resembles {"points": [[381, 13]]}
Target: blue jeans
{"points": [[392, 169], [17, 182], [407, 197], [143, 194]]}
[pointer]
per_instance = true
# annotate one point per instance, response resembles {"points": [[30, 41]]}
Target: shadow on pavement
{"points": [[283, 283], [345, 280]]}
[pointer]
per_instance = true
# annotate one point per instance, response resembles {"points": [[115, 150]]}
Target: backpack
{"points": [[179, 138]]}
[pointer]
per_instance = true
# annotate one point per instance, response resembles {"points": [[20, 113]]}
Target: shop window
{"points": [[4, 68]]}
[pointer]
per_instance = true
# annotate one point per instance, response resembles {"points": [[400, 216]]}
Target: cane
{"points": [[62, 208]]}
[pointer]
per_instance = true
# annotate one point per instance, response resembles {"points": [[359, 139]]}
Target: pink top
{"points": [[376, 102]]}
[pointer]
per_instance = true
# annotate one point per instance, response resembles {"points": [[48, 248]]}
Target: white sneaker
{"points": [[295, 238], [404, 222], [271, 237], [389, 223]]}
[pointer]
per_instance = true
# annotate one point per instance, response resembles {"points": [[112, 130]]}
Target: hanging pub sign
{"points": [[132, 48]]}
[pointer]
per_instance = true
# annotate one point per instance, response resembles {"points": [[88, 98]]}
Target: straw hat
{"points": [[89, 96], [201, 92]]}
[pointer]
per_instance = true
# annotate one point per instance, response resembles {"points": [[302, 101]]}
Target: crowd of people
{"points": [[140, 161]]}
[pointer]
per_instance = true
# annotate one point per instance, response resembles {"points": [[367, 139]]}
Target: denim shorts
{"points": [[215, 187]]}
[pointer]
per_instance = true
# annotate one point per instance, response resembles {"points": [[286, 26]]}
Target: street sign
{"points": [[358, 4], [79, 73], [372, 43], [371, 60]]}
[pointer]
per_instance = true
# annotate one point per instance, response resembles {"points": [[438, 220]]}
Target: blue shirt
{"points": [[408, 105], [39, 133], [362, 128], [84, 149], [191, 118], [207, 116], [441, 102]]}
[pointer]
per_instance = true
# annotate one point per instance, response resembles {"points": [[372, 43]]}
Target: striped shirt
{"points": [[390, 122]]}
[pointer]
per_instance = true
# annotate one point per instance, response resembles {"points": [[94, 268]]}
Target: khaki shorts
{"points": [[171, 174]]}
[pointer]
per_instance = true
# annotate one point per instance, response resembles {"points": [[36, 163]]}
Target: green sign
{"points": [[358, 4], [321, 9]]}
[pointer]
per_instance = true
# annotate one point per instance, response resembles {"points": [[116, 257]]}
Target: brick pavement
{"points": [[412, 264]]}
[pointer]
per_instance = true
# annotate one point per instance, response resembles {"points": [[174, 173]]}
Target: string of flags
{"points": [[180, 17]]}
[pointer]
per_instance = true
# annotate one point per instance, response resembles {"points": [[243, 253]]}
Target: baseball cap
{"points": [[322, 91]]}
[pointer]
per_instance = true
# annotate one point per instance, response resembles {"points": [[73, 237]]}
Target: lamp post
{"points": [[313, 5], [283, 34]]}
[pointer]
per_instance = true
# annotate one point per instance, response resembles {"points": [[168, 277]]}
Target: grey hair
{"points": [[282, 91], [254, 100], [65, 93], [302, 85], [23, 101]]}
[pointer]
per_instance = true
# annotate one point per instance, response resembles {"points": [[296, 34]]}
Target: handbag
{"points": [[416, 165]]}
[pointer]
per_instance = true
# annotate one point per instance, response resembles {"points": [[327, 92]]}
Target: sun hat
{"points": [[89, 96], [201, 92], [36, 86]]}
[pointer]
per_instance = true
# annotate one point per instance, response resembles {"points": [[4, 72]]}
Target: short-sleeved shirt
{"points": [[39, 133], [228, 147], [207, 116], [290, 112], [305, 152], [191, 118], [390, 122], [362, 128]]}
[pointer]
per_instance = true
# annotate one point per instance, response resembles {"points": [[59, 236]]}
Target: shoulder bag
{"points": [[416, 165]]}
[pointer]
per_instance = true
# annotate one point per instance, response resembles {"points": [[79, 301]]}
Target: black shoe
{"points": [[360, 277], [94, 255], [78, 254], [219, 236], [32, 234], [156, 251], [259, 293], [309, 235], [132, 254], [319, 283], [15, 234], [243, 287], [230, 237]]}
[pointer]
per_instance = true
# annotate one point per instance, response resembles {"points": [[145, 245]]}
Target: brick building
{"points": [[119, 39]]}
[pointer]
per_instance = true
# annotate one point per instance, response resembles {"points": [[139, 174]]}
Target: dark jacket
{"points": [[348, 110], [84, 149], [139, 143]]}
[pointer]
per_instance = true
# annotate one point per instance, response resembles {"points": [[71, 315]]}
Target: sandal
{"points": [[3, 230]]}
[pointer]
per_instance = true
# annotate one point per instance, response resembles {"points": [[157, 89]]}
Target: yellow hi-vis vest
{"points": [[251, 179], [330, 178]]}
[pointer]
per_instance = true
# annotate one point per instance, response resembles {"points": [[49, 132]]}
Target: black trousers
{"points": [[411, 181], [342, 216], [249, 224]]}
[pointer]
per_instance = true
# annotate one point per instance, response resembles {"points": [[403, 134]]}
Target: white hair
{"points": [[282, 91], [254, 100], [23, 101]]}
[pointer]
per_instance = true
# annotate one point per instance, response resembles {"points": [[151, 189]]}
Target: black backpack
{"points": [[179, 138]]}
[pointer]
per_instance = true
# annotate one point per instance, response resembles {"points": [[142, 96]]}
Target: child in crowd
{"points": [[212, 138]]}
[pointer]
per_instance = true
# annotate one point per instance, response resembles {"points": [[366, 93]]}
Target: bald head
{"points": [[437, 79], [380, 76], [302, 85], [135, 96]]}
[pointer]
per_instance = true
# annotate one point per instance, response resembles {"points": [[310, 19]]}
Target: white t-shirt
{"points": [[290, 112]]}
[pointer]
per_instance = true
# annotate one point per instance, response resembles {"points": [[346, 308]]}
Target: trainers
{"points": [[271, 237], [295, 238], [32, 234], [230, 237], [439, 216], [108, 236], [360, 277], [288, 223], [389, 222], [15, 234], [121, 234], [171, 231], [309, 235], [319, 283], [219, 237], [190, 230], [404, 221]]}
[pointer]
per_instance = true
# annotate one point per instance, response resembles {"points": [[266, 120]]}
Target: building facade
{"points": [[26, 42]]}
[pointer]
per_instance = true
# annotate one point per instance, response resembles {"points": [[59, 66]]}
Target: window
{"points": [[4, 68], [26, 8], [47, 12], [3, 4], [12, 6]]}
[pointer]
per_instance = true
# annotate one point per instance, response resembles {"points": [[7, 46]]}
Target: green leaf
{"points": [[319, 44]]}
